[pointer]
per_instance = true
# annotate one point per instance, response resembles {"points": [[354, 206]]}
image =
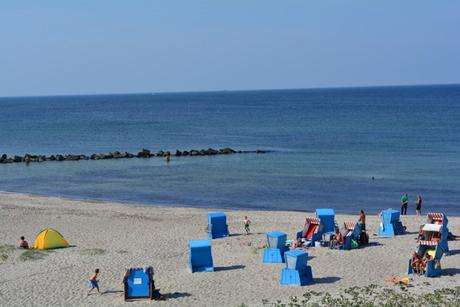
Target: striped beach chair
{"points": [[435, 234], [311, 224]]}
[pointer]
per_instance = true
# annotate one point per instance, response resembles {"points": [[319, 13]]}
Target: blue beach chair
{"points": [[391, 225], [139, 284], [217, 225], [354, 233], [435, 234], [276, 247], [327, 224], [200, 256], [296, 272]]}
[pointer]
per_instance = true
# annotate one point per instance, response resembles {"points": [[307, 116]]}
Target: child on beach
{"points": [[246, 224], [23, 243], [93, 282]]}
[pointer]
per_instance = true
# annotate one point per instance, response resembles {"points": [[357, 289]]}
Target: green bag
{"points": [[353, 244]]}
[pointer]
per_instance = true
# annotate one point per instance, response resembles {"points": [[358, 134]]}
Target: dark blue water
{"points": [[328, 145]]}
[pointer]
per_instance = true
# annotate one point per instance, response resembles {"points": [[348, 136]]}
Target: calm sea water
{"points": [[328, 144]]}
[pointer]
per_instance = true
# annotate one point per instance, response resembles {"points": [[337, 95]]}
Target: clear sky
{"points": [[96, 46]]}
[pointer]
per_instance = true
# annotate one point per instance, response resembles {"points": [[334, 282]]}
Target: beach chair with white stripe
{"points": [[435, 235], [311, 226], [440, 219]]}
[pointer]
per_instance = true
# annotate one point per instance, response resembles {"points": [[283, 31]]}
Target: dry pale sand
{"points": [[137, 236]]}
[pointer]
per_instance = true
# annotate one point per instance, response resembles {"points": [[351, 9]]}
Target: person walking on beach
{"points": [[93, 282], [418, 205], [246, 222], [404, 203]]}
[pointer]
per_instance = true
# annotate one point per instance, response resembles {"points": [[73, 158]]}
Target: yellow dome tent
{"points": [[49, 239]]}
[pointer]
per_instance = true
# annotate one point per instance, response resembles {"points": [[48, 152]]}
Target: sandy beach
{"points": [[114, 237]]}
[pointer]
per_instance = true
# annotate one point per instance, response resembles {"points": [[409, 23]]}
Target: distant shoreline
{"points": [[186, 92]]}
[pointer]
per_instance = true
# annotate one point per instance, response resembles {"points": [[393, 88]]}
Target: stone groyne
{"points": [[144, 153]]}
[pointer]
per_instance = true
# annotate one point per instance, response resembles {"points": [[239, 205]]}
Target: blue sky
{"points": [[86, 47]]}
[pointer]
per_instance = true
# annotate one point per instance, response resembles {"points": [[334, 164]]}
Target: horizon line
{"points": [[230, 90]]}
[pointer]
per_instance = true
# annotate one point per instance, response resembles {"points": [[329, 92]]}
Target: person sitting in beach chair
{"points": [[336, 240], [416, 263], [424, 262], [23, 243]]}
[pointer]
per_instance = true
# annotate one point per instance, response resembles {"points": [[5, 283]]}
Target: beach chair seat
{"points": [[139, 284]]}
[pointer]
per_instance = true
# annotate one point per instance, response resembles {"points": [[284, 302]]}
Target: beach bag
{"points": [[353, 244]]}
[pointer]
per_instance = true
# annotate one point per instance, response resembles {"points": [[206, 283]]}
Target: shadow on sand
{"points": [[326, 280], [371, 244], [173, 295], [229, 268], [455, 252], [112, 291], [451, 271]]}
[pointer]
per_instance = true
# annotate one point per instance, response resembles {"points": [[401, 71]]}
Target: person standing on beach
{"points": [[362, 220], [418, 205], [93, 282], [404, 203], [246, 222]]}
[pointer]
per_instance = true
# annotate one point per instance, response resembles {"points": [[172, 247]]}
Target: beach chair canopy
{"points": [[296, 259], [390, 216], [276, 239], [200, 256], [327, 218], [349, 225], [217, 225], [432, 227], [138, 283], [437, 218], [49, 239], [311, 224]]}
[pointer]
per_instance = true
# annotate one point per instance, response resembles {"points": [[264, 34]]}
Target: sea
{"points": [[341, 148]]}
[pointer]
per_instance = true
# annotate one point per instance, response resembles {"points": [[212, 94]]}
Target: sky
{"points": [[109, 46]]}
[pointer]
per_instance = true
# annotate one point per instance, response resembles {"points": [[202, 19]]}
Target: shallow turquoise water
{"points": [[328, 144]]}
